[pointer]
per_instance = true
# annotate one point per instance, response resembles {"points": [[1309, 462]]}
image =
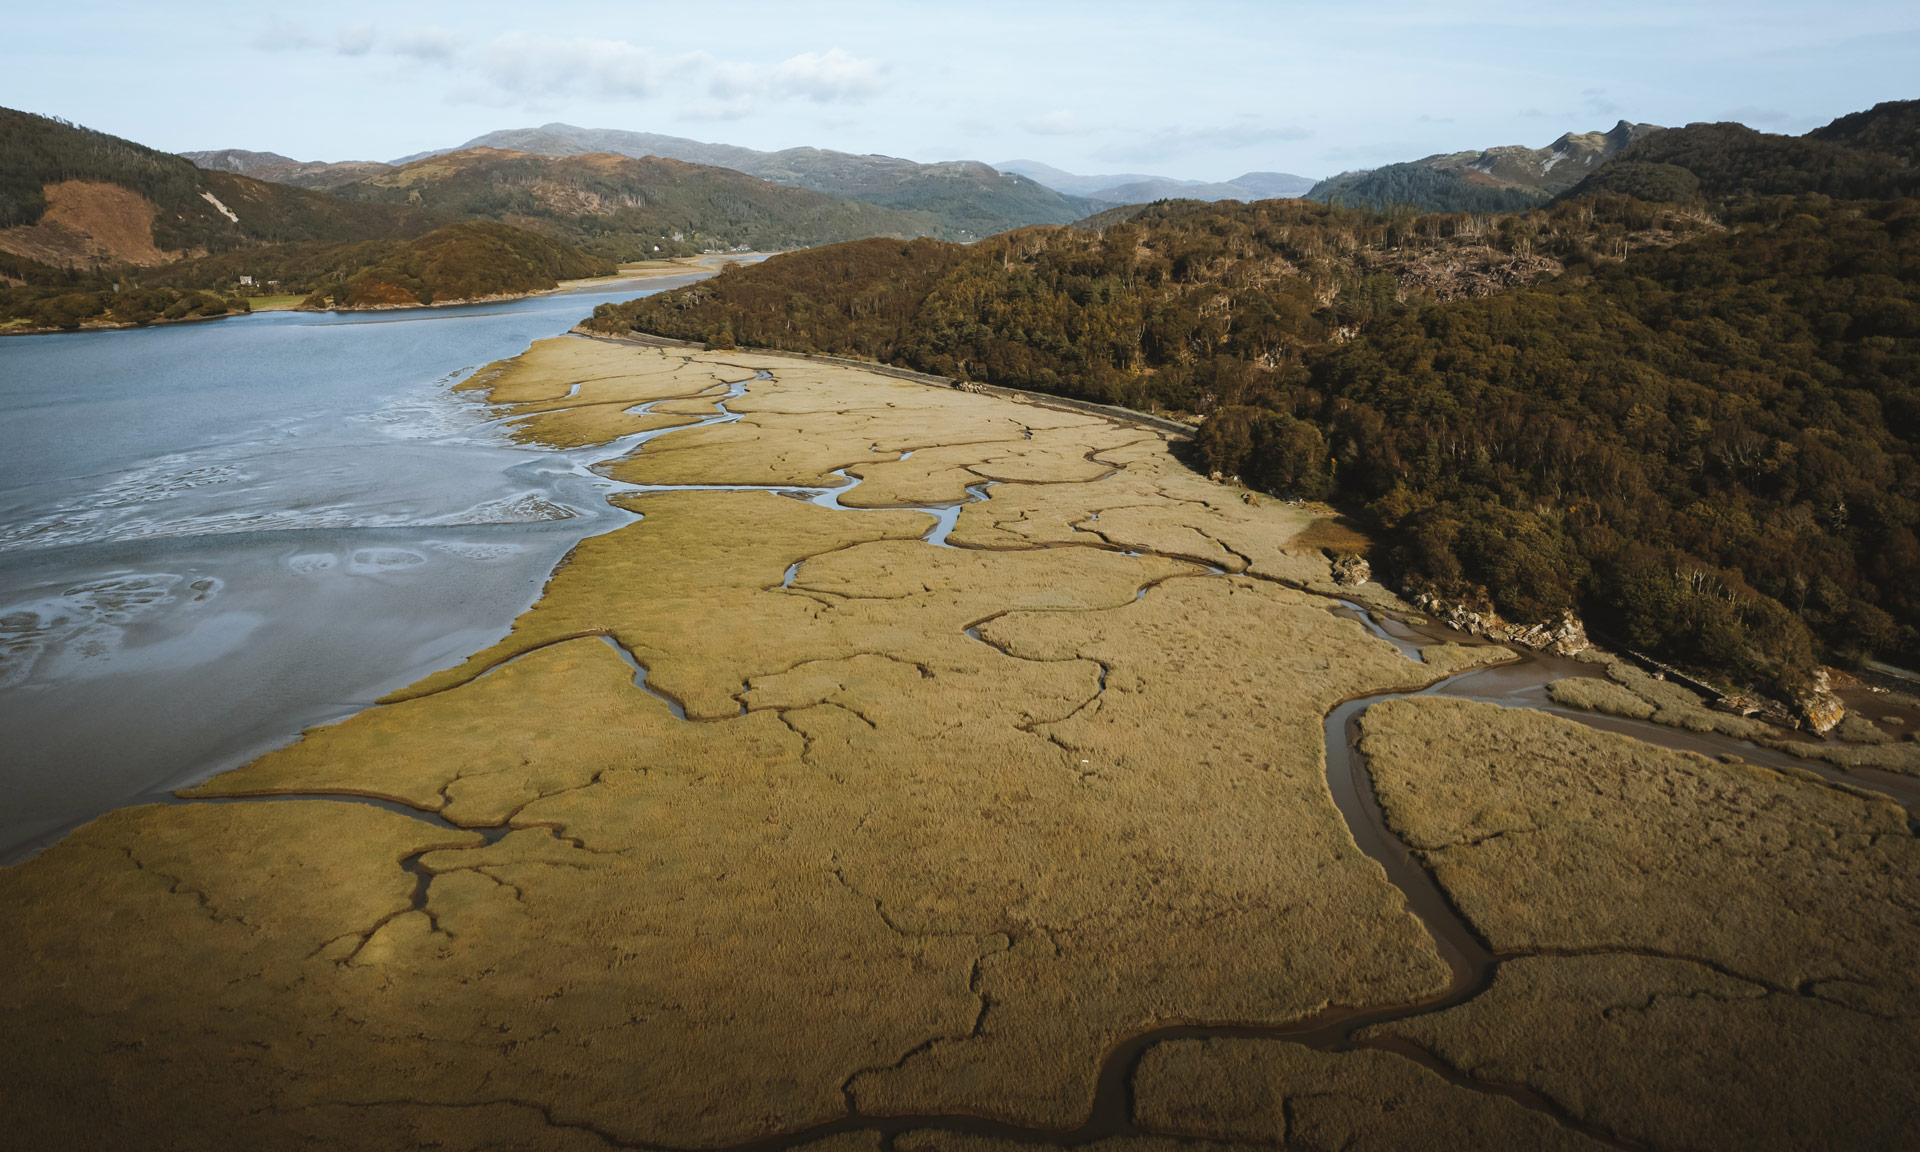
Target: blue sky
{"points": [[1199, 90]]}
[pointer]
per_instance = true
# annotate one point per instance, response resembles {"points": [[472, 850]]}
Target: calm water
{"points": [[215, 535]]}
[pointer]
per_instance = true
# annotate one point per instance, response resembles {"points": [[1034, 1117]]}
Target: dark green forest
{"points": [[1695, 425], [1395, 185], [459, 262], [30, 307]]}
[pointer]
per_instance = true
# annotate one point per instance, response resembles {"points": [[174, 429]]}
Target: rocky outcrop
{"points": [[1564, 637], [1351, 571], [1818, 708]]}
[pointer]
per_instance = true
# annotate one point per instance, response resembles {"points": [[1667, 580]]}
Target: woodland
{"points": [[1688, 415]]}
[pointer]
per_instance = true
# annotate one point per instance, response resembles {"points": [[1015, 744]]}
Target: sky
{"points": [[1190, 90]]}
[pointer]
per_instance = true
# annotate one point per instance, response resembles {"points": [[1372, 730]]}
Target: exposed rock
{"points": [[1819, 708], [1351, 571], [1566, 637]]}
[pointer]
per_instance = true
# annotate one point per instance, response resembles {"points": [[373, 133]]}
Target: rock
{"points": [[1566, 637], [1351, 571], [1820, 710]]}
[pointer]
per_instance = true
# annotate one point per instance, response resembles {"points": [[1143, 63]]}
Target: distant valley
{"points": [[1135, 188]]}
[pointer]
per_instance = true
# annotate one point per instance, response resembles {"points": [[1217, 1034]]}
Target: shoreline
{"points": [[1019, 395], [638, 276]]}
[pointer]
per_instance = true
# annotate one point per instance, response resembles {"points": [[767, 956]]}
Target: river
{"points": [[215, 535]]}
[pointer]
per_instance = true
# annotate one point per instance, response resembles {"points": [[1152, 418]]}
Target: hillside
{"points": [[472, 260], [285, 170], [1710, 449], [1512, 178], [73, 196], [624, 208], [1868, 155], [969, 199], [1892, 128]]}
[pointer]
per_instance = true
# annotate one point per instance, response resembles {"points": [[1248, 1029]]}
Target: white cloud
{"points": [[1059, 123], [431, 43], [524, 66], [830, 77], [354, 40]]}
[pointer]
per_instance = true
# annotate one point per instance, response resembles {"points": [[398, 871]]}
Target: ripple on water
{"points": [[367, 561], [86, 622]]}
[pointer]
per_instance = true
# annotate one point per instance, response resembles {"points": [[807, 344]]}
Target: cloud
{"points": [[1060, 123], [830, 77], [284, 36], [521, 66], [531, 69], [354, 40], [427, 44], [1594, 102]]}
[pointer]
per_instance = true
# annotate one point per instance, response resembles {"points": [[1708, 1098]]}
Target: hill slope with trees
{"points": [[629, 209], [1698, 429]]}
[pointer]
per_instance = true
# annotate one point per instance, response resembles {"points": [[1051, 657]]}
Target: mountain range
{"points": [[970, 199], [1135, 188]]}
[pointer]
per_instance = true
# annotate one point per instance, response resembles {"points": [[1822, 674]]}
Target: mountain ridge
{"points": [[628, 208], [1505, 178], [972, 198], [1138, 188]]}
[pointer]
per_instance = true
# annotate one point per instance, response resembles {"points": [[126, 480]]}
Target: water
{"points": [[215, 535]]}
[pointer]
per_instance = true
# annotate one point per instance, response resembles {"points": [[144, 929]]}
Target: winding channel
{"points": [[1516, 683]]}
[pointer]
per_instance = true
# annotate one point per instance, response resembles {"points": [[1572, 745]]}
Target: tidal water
{"points": [[215, 535]]}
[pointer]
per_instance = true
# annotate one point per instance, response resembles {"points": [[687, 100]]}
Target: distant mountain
{"points": [[1867, 155], [284, 170], [1073, 184], [1133, 188], [1274, 185], [970, 199], [99, 230], [1505, 179], [73, 197], [626, 208]]}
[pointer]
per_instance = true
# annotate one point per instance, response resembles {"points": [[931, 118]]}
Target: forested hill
{"points": [[1707, 448], [70, 195], [624, 208], [1867, 155], [99, 230], [967, 199]]}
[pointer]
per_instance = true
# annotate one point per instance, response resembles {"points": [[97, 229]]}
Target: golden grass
{"points": [[884, 861], [1756, 947], [1274, 1094]]}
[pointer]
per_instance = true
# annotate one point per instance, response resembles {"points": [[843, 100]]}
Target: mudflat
{"points": [[780, 823]]}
